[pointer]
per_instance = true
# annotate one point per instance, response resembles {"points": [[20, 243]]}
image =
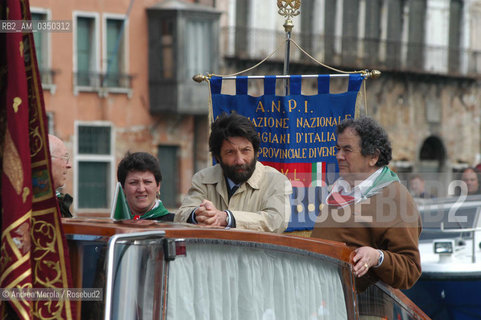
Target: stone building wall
{"points": [[414, 108]]}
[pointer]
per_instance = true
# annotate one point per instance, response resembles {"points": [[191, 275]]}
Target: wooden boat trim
{"points": [[108, 228]]}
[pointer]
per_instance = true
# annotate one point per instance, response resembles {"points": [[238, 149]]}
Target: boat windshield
{"points": [[441, 220]]}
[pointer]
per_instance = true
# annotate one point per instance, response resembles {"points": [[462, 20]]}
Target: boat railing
{"points": [[472, 237]]}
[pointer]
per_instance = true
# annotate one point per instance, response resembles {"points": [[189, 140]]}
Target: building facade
{"points": [[120, 81]]}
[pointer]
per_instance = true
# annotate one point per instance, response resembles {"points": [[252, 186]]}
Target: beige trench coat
{"points": [[260, 204]]}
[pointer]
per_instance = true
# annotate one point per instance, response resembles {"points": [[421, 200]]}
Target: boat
{"points": [[450, 247], [151, 270]]}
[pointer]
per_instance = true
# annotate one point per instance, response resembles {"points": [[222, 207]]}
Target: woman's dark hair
{"points": [[138, 161], [374, 139], [233, 125]]}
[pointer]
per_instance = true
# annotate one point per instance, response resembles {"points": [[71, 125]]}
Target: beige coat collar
{"points": [[218, 177]]}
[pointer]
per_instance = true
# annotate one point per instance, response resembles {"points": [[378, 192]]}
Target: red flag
{"points": [[33, 247], [307, 174]]}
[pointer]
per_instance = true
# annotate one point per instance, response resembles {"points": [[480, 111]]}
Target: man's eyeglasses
{"points": [[65, 158]]}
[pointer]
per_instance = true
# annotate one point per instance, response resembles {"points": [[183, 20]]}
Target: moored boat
{"points": [[450, 247]]}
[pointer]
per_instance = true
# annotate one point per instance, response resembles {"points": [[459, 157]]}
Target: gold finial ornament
{"points": [[289, 9], [199, 78], [373, 74]]}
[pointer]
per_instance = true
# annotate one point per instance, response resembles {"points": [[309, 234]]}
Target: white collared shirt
{"points": [[359, 191]]}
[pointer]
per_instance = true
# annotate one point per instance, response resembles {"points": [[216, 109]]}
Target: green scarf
{"points": [[366, 189], [386, 177], [153, 214]]}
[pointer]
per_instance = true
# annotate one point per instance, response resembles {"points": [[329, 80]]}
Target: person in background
{"points": [[60, 159], [471, 177], [478, 167], [237, 192], [417, 188], [369, 209], [140, 177]]}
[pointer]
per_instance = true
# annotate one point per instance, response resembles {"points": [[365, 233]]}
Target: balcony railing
{"points": [[354, 53], [102, 82], [47, 76]]}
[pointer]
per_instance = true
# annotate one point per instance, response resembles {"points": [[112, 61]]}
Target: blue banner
{"points": [[297, 132]]}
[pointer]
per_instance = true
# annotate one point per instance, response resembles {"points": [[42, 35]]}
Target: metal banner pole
{"points": [[286, 61], [288, 9]]}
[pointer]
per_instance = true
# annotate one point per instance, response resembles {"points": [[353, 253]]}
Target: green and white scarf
{"points": [[343, 195], [153, 214]]}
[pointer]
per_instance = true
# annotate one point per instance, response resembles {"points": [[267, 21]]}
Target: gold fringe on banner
{"points": [[373, 74]]}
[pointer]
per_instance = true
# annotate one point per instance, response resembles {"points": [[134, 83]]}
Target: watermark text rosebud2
{"points": [[51, 294], [308, 203]]}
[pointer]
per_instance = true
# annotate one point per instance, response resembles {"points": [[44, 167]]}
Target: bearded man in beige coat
{"points": [[237, 192]]}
